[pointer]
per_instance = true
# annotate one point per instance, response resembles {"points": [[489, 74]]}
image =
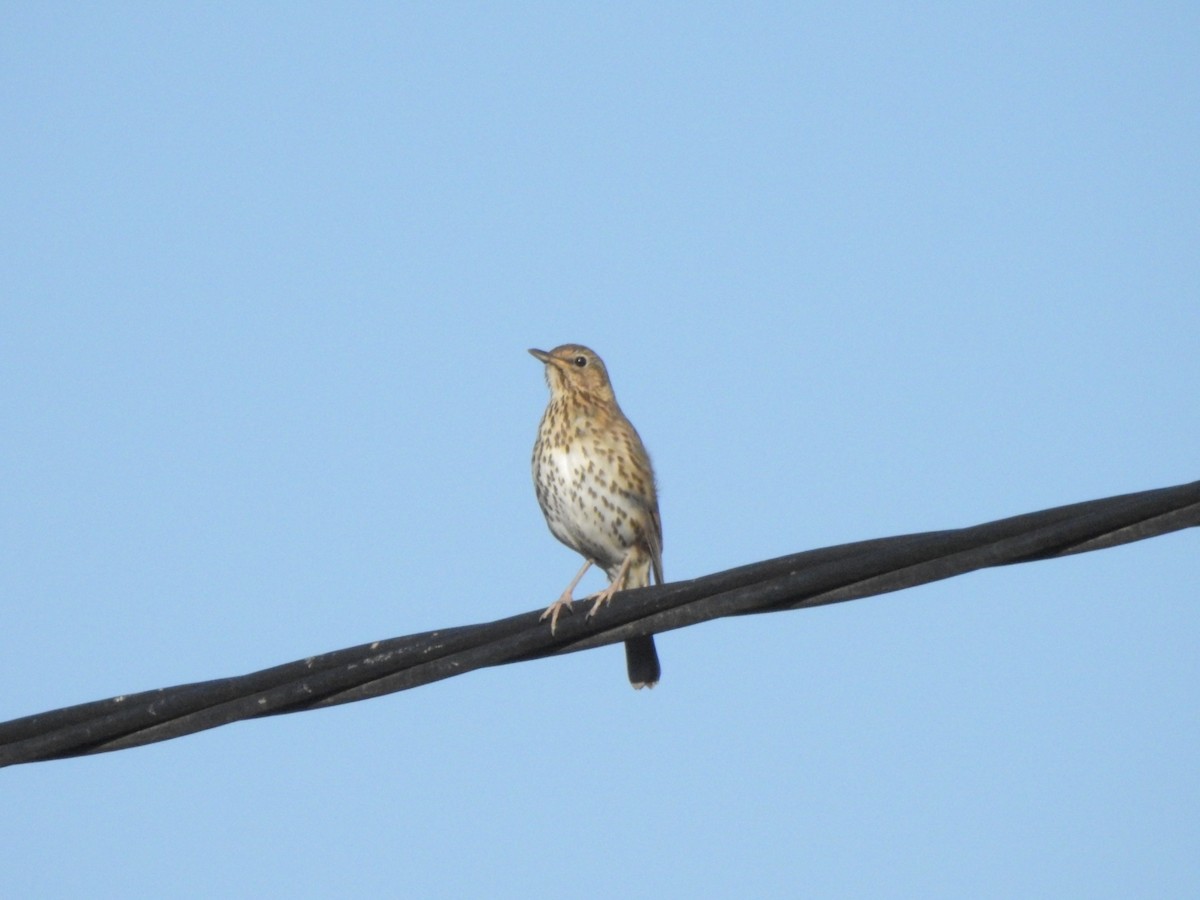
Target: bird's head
{"points": [[573, 367]]}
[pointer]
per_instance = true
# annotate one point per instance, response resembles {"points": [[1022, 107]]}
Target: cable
{"points": [[800, 581]]}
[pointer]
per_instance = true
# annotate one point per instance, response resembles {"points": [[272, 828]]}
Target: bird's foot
{"points": [[617, 584], [601, 598], [563, 602]]}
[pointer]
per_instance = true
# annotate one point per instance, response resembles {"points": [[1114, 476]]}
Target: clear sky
{"points": [[269, 272]]}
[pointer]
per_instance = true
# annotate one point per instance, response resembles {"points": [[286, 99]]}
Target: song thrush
{"points": [[596, 488]]}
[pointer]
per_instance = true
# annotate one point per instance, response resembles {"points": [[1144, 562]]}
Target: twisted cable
{"points": [[800, 581]]}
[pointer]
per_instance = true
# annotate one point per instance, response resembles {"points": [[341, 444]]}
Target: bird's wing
{"points": [[654, 542]]}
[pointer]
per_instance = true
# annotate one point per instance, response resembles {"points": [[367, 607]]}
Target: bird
{"points": [[596, 488]]}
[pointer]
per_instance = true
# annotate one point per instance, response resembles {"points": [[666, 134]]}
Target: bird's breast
{"points": [[588, 496]]}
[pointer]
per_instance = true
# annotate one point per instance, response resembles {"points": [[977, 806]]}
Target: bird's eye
{"points": [[581, 361]]}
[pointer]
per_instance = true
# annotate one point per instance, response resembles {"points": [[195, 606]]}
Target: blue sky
{"points": [[269, 275]]}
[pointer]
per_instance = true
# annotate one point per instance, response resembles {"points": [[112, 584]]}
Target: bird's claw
{"points": [[554, 609], [601, 598]]}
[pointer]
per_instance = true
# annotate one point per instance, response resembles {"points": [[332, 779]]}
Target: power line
{"points": [[811, 578]]}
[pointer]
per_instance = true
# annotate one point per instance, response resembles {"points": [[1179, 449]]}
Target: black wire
{"points": [[812, 578]]}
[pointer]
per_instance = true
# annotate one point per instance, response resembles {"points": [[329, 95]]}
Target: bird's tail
{"points": [[641, 656], [641, 661]]}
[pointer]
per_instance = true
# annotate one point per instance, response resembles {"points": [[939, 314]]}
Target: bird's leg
{"points": [[617, 584], [564, 601]]}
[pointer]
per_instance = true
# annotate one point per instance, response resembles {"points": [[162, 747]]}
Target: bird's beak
{"points": [[542, 355]]}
